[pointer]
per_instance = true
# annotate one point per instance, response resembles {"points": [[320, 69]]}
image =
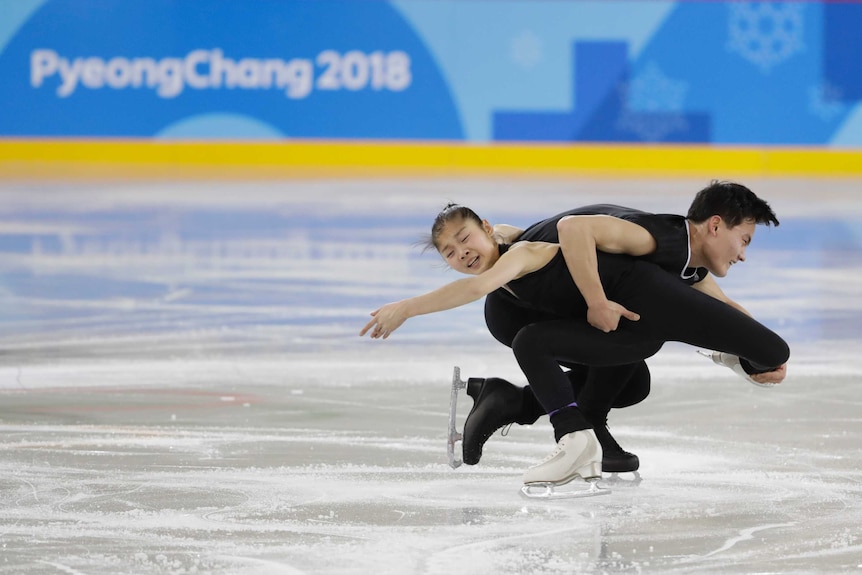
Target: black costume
{"points": [[546, 327]]}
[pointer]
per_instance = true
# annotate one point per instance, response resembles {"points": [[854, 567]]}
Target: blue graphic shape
{"points": [[849, 135], [165, 29], [842, 49], [13, 13], [215, 126], [747, 103], [483, 72], [599, 79]]}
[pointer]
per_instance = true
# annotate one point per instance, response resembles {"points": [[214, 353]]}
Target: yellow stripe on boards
{"points": [[27, 158]]}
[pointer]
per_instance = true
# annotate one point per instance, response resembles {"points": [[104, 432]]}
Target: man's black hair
{"points": [[734, 202]]}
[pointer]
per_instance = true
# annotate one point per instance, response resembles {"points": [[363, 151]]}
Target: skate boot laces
{"points": [[561, 446]]}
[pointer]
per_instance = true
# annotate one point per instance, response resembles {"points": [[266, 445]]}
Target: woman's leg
{"points": [[622, 385], [541, 347]]}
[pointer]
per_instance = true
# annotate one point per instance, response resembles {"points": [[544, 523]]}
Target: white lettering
{"points": [[93, 75], [141, 68], [190, 66], [354, 70], [118, 73], [230, 74], [42, 63], [330, 61], [216, 68], [69, 75], [210, 69], [269, 72], [170, 72], [248, 73], [298, 77]]}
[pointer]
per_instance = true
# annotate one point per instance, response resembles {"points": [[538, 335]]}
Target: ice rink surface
{"points": [[182, 390]]}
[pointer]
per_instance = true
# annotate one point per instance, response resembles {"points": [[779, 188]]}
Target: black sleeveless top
{"points": [[552, 288], [670, 232]]}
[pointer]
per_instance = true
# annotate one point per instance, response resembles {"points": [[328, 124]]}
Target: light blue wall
{"points": [[783, 73]]}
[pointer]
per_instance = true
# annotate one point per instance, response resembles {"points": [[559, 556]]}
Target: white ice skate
{"points": [[732, 361], [578, 455], [454, 435]]}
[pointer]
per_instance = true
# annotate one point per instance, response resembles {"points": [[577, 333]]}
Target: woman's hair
{"points": [[451, 213], [735, 204]]}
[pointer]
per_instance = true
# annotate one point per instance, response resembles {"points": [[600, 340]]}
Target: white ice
{"points": [[183, 390]]}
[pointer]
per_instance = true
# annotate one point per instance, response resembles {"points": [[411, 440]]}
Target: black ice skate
{"points": [[496, 403], [614, 458]]}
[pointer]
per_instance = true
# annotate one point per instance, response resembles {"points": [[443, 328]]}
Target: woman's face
{"points": [[468, 247]]}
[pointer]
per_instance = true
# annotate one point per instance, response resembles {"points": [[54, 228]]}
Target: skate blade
{"points": [[454, 435], [571, 490], [714, 356], [616, 480]]}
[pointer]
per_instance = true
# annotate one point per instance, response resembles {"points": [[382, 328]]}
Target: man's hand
{"points": [[386, 320], [506, 234], [606, 316], [771, 377]]}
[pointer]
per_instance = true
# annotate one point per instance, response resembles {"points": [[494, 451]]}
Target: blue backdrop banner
{"points": [[783, 73]]}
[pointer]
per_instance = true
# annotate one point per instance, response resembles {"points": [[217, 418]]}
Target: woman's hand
{"points": [[386, 320]]}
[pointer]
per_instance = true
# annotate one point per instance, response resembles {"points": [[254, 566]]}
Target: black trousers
{"points": [[612, 386], [670, 310]]}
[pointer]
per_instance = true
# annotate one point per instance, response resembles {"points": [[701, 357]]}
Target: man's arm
{"points": [[580, 237]]}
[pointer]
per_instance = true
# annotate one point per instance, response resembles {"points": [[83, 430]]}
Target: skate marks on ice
{"points": [[322, 475], [182, 391], [780, 483], [746, 535]]}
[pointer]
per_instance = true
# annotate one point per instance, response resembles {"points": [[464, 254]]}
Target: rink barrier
{"points": [[57, 159]]}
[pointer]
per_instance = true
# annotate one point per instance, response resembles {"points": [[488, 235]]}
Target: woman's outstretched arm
{"points": [[528, 257]]}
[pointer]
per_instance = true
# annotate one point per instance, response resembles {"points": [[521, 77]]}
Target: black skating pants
{"points": [[670, 310], [614, 386]]}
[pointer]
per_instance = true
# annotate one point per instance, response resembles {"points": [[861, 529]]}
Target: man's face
{"points": [[467, 247], [726, 246]]}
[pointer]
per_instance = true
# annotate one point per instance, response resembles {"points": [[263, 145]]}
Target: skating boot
{"points": [[614, 458], [577, 455], [496, 403]]}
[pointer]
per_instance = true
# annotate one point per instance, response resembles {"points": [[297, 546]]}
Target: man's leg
{"points": [[669, 311], [673, 311], [498, 403], [617, 386]]}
